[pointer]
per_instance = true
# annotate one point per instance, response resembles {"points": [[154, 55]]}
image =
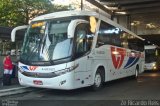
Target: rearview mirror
{"points": [[13, 33]]}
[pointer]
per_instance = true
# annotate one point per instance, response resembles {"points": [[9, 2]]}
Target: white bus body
{"points": [[151, 57], [89, 49]]}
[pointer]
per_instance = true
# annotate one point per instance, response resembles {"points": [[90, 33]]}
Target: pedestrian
{"points": [[8, 69]]}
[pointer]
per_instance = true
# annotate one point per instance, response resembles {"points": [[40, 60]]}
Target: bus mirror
{"points": [[73, 25], [13, 33], [93, 24]]}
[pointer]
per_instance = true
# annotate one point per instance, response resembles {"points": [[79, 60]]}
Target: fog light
{"points": [[154, 68]]}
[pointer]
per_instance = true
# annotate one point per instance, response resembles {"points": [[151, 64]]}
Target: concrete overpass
{"points": [[140, 16], [5, 33], [5, 39]]}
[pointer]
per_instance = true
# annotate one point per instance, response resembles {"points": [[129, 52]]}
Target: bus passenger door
{"points": [[83, 43]]}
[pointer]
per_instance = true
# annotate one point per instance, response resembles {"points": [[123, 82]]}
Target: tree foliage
{"points": [[20, 12]]}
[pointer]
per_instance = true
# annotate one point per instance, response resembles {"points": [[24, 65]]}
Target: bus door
{"points": [[83, 43]]}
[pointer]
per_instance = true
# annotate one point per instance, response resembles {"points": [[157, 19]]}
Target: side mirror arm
{"points": [[13, 33]]}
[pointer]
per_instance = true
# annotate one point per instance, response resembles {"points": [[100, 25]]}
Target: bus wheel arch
{"points": [[99, 78]]}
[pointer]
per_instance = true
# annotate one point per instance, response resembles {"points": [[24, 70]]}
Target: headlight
{"points": [[153, 64], [48, 75], [63, 71], [20, 70]]}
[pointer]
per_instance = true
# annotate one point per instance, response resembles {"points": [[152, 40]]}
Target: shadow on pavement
{"points": [[14, 83]]}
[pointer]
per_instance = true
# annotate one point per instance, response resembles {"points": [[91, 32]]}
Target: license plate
{"points": [[37, 82]]}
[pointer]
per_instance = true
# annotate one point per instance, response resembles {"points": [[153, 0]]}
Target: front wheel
{"points": [[97, 81]]}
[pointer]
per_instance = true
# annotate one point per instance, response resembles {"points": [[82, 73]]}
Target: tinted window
{"points": [[135, 43], [111, 35], [84, 39]]}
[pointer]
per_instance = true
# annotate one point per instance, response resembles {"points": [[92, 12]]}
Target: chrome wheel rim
{"points": [[97, 80], [136, 73]]}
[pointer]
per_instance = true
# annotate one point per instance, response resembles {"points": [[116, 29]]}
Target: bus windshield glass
{"points": [[150, 55], [46, 41]]}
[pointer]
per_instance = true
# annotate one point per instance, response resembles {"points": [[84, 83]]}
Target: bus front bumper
{"points": [[65, 81]]}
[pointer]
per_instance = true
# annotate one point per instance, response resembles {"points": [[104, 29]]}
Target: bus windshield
{"points": [[46, 41], [150, 55]]}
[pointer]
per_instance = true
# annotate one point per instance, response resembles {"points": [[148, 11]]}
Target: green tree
{"points": [[6, 10], [20, 12]]}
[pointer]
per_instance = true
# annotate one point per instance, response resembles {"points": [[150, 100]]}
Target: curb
{"points": [[17, 90]]}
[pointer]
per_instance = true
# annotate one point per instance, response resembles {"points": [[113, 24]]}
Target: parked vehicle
{"points": [[152, 57], [74, 49]]}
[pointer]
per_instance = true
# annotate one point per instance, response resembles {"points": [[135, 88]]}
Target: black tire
{"points": [[98, 81]]}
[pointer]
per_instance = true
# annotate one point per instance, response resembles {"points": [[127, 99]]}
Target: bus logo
{"points": [[32, 68], [117, 55]]}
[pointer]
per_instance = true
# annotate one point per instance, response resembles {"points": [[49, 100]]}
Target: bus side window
{"points": [[136, 44], [108, 35], [81, 43], [84, 39]]}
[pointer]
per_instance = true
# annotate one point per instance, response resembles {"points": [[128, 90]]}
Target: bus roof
{"points": [[82, 13], [65, 14]]}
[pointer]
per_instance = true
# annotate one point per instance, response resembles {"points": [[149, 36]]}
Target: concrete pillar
{"points": [[124, 21]]}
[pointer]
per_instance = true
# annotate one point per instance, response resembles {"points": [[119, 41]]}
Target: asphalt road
{"points": [[145, 91]]}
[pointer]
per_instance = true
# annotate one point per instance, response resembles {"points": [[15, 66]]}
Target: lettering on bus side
{"points": [[134, 54], [48, 69], [133, 58], [100, 52]]}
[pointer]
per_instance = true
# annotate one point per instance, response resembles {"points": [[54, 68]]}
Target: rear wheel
{"points": [[136, 72]]}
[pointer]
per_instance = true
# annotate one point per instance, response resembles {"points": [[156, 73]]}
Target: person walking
{"points": [[8, 69]]}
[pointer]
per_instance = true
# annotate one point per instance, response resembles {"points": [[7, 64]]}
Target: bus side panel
{"points": [[82, 74], [118, 65], [103, 58]]}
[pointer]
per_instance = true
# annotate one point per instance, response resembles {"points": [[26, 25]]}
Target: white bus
{"points": [[74, 49], [152, 57]]}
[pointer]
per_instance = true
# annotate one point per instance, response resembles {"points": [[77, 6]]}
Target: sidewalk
{"points": [[14, 88], [14, 84], [14, 81]]}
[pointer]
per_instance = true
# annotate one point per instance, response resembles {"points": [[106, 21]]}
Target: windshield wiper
{"points": [[51, 61], [32, 52]]}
